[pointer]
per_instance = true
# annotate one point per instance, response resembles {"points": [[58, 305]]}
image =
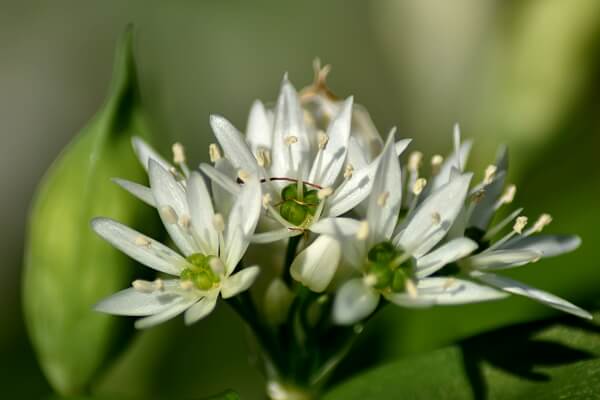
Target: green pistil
{"points": [[200, 273], [384, 269], [297, 208]]}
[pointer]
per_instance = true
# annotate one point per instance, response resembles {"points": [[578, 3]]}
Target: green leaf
{"points": [[228, 395], [67, 267], [558, 358]]}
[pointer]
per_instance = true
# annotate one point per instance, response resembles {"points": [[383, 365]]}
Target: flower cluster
{"points": [[362, 227]]}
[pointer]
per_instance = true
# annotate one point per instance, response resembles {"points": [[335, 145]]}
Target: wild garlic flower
{"points": [[394, 259], [211, 244], [304, 170], [520, 246]]}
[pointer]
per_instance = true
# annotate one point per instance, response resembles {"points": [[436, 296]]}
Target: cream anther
{"points": [[363, 231], [168, 215], [218, 223], [414, 160], [324, 193], [178, 153], [520, 224], [490, 174], [419, 186], [214, 153]]}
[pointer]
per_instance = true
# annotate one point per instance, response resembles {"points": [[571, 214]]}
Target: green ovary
{"points": [[384, 269], [298, 208], [200, 272]]}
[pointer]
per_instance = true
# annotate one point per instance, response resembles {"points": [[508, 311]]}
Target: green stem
{"points": [[290, 254]]}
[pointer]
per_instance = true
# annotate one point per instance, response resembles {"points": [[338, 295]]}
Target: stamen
{"points": [[266, 200], [217, 265], [477, 196], [411, 288], [363, 231], [214, 153], [500, 225], [158, 284], [186, 285], [324, 193], [436, 218], [168, 214], [449, 282], [520, 224], [322, 139], [541, 222], [370, 280], [436, 162], [218, 223], [263, 157], [143, 286], [185, 221], [419, 186], [291, 139], [414, 161], [382, 199], [243, 175], [178, 153], [490, 174], [507, 197], [142, 241], [348, 171]]}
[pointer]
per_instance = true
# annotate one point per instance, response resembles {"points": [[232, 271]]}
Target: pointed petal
{"points": [[353, 302], [484, 210], [547, 245], [401, 145], [445, 254], [224, 197], [145, 153], [140, 247], [315, 266], [514, 287], [137, 304], [289, 159], [421, 232], [344, 231], [259, 132], [326, 168], [202, 214], [165, 315], [168, 192], [200, 310], [222, 179], [234, 146], [242, 222], [140, 191], [356, 154], [239, 282], [386, 195], [502, 259], [274, 236]]}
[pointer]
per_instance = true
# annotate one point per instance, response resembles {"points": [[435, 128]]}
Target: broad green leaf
{"points": [[558, 358], [67, 267]]}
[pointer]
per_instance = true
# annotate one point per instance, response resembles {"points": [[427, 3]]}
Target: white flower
{"points": [[519, 247], [304, 171], [395, 261], [211, 245]]}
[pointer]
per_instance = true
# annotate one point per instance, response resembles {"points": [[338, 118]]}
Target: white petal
{"points": [[224, 197], [336, 227], [443, 176], [139, 247], [220, 178], [353, 302], [168, 192], [502, 259], [239, 282], [136, 304], [446, 202], [521, 289], [140, 191], [233, 144], [445, 254], [315, 266], [547, 245], [289, 159], [242, 222], [386, 195], [202, 214], [485, 208], [274, 236], [401, 145], [200, 310], [326, 168], [448, 291], [145, 153], [165, 315], [356, 154], [259, 130]]}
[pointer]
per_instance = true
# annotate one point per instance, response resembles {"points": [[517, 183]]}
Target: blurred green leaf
{"points": [[558, 358], [228, 395], [67, 267]]}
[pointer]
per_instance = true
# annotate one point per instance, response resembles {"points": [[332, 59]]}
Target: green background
{"points": [[524, 73]]}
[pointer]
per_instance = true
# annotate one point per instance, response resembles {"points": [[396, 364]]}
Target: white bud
{"points": [[277, 301]]}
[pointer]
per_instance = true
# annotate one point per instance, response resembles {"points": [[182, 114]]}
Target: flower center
{"points": [[200, 273], [298, 204], [385, 270]]}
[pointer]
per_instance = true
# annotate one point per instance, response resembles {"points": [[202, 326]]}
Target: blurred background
{"points": [[524, 73]]}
